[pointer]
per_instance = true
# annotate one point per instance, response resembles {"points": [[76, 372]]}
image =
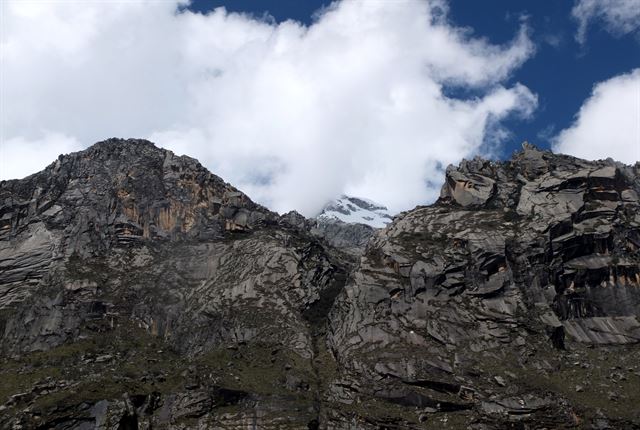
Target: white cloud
{"points": [[620, 17], [20, 156], [294, 115], [608, 124]]}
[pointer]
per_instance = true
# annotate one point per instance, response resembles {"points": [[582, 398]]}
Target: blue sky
{"points": [[562, 72], [297, 102]]}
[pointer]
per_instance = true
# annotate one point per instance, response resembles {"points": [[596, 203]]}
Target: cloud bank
{"points": [[608, 123], [620, 17], [294, 115]]}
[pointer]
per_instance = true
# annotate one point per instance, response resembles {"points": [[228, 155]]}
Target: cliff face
{"points": [[124, 266], [516, 295], [138, 290], [116, 193]]}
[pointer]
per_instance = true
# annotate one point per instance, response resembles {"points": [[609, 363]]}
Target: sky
{"points": [[297, 102]]}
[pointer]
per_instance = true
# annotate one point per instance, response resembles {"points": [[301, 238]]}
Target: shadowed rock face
{"points": [[138, 290]]}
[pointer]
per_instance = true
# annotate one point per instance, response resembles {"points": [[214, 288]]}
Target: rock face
{"points": [[516, 269], [349, 238], [138, 290], [124, 266]]}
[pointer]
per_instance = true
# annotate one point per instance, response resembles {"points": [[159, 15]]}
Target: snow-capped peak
{"points": [[356, 210]]}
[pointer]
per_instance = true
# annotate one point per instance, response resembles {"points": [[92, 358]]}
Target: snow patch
{"points": [[356, 210]]}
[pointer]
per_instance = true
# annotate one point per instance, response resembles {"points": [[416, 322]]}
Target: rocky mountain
{"points": [[139, 291], [356, 210]]}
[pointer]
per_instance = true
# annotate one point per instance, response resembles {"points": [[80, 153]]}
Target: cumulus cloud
{"points": [[608, 123], [619, 17], [292, 114]]}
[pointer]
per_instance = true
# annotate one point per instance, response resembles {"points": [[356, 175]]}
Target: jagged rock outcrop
{"points": [[124, 245], [514, 262], [138, 290]]}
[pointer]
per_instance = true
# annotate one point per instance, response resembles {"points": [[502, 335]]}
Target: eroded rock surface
{"points": [[139, 291], [125, 265], [517, 264]]}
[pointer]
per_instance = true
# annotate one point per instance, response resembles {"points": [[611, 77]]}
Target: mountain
{"points": [[356, 210], [138, 290]]}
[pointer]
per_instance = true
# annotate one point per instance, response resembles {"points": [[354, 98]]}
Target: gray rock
{"points": [[138, 290]]}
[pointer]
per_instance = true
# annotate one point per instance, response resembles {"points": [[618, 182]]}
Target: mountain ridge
{"points": [[139, 290]]}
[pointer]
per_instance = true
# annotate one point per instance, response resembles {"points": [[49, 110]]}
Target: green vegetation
{"points": [[130, 360], [584, 375]]}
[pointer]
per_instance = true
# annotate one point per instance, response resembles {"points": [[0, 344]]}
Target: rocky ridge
{"points": [[138, 290]]}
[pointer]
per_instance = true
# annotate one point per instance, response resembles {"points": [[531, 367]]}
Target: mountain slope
{"points": [[125, 266], [512, 297], [138, 290]]}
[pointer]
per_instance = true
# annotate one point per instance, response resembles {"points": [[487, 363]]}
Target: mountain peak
{"points": [[129, 190], [356, 210]]}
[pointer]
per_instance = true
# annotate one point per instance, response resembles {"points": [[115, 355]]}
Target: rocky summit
{"points": [[140, 291]]}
